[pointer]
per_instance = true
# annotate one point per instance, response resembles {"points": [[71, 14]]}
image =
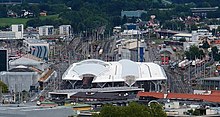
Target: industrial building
{"points": [[25, 73], [36, 47], [93, 73], [212, 83], [132, 49], [19, 78]]}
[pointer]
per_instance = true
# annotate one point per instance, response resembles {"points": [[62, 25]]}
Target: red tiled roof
{"points": [[215, 92], [182, 96], [151, 94], [213, 97]]}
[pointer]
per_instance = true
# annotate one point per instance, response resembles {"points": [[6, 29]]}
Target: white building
{"points": [[38, 48], [19, 78], [129, 48], [25, 72], [17, 28], [187, 45], [15, 33], [31, 35], [28, 60], [119, 73], [129, 34], [186, 36], [65, 30], [200, 33], [117, 29], [46, 30]]}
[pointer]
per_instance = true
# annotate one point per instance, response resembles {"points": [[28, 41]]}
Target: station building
{"points": [[93, 73]]}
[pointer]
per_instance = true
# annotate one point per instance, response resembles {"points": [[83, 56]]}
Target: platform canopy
{"points": [[118, 71]]}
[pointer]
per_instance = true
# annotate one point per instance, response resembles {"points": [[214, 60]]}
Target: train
{"points": [[184, 64], [173, 65], [167, 42], [173, 48], [164, 60], [198, 62]]}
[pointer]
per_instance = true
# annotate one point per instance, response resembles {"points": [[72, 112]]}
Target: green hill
{"points": [[9, 21]]}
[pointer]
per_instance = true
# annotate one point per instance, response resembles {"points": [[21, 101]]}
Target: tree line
{"points": [[132, 110], [91, 14]]}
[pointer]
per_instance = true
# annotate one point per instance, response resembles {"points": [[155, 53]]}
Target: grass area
{"points": [[10, 21], [49, 17]]}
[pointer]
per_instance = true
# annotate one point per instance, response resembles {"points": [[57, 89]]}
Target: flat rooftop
{"points": [[12, 110], [36, 41], [106, 89]]}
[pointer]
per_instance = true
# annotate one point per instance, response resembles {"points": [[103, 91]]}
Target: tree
{"points": [[215, 54], [3, 11], [4, 87], [205, 45], [116, 21], [194, 52], [182, 39], [124, 20], [157, 110], [132, 110], [218, 29], [194, 27]]}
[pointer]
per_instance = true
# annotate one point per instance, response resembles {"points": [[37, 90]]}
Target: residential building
{"points": [[43, 13], [15, 33], [65, 30], [31, 33], [46, 30], [17, 28]]}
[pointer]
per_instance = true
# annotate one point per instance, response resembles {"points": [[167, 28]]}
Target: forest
{"points": [[91, 14]]}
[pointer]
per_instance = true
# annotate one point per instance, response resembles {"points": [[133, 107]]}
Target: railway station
{"points": [[118, 76], [93, 73]]}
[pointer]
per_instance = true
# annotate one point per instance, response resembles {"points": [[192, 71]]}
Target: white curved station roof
{"points": [[114, 71]]}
